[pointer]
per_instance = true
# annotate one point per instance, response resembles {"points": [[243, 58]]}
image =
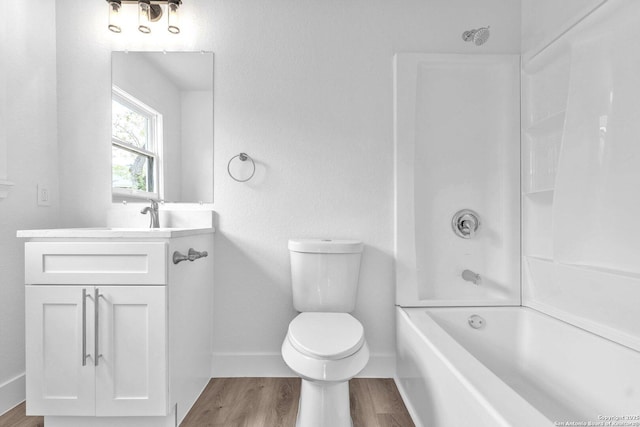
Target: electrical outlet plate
{"points": [[44, 195]]}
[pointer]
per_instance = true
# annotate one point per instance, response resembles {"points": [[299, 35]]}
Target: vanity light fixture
{"points": [[173, 6], [148, 11], [114, 15], [144, 16]]}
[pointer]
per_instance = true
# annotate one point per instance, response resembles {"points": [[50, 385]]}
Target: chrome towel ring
{"points": [[243, 157]]}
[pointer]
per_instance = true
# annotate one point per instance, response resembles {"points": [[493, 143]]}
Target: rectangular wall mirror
{"points": [[162, 126]]}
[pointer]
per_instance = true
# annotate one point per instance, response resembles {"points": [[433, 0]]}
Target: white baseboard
{"points": [[271, 365], [12, 393], [225, 365]]}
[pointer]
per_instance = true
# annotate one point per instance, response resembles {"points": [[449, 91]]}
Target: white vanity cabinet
{"points": [[66, 329], [116, 333]]}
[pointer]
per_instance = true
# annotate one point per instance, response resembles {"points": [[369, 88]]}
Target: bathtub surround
{"points": [[457, 179], [580, 173], [518, 366], [543, 20]]}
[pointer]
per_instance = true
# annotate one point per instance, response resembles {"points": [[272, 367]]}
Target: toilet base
{"points": [[324, 404]]}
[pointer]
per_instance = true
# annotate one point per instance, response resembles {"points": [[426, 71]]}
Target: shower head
{"points": [[479, 36]]}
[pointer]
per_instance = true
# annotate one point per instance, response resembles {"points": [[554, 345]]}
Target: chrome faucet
{"points": [[153, 212], [470, 276]]}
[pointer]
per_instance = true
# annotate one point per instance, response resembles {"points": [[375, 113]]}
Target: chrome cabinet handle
{"points": [[192, 255], [178, 257], [96, 354], [84, 327]]}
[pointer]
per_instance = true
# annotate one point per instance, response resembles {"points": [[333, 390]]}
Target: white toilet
{"points": [[325, 345]]}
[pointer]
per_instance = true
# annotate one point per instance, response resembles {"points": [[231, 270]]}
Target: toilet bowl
{"points": [[325, 350]]}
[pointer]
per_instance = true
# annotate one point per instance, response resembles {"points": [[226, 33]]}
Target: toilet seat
{"points": [[325, 350], [328, 336]]}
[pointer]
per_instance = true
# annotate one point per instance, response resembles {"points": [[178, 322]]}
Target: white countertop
{"points": [[113, 232]]}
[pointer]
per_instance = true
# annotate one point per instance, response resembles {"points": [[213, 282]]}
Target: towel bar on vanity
{"points": [[192, 255]]}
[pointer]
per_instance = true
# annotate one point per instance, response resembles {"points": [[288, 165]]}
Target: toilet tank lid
{"points": [[325, 246]]}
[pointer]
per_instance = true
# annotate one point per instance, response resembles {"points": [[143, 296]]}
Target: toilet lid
{"points": [[326, 335]]}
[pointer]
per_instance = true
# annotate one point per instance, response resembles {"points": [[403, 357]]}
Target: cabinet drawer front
{"points": [[100, 263]]}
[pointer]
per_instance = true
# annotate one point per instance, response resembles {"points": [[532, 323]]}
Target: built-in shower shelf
{"points": [[541, 191], [549, 123], [604, 270], [585, 267], [540, 258]]}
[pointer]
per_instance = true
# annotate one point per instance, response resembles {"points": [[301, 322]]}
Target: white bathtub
{"points": [[522, 369]]}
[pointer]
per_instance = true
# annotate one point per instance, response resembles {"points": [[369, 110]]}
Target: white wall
{"points": [[27, 56], [305, 88]]}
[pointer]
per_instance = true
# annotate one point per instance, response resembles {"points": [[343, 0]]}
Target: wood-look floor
{"points": [[273, 402], [270, 402], [17, 418]]}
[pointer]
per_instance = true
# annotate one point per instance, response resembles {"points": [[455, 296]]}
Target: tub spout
{"points": [[470, 276]]}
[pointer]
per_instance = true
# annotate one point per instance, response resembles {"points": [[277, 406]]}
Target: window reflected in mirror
{"points": [[162, 126], [134, 146]]}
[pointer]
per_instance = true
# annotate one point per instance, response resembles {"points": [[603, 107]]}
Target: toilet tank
{"points": [[324, 274]]}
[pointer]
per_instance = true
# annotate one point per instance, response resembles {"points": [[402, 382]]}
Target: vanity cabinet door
{"points": [[132, 373], [58, 320]]}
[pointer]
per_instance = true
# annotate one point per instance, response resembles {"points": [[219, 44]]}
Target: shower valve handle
{"points": [[465, 223]]}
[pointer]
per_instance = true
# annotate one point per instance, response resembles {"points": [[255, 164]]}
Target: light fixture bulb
{"points": [[114, 15], [144, 17], [173, 7]]}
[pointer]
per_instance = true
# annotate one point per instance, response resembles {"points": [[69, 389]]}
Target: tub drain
{"points": [[476, 322]]}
